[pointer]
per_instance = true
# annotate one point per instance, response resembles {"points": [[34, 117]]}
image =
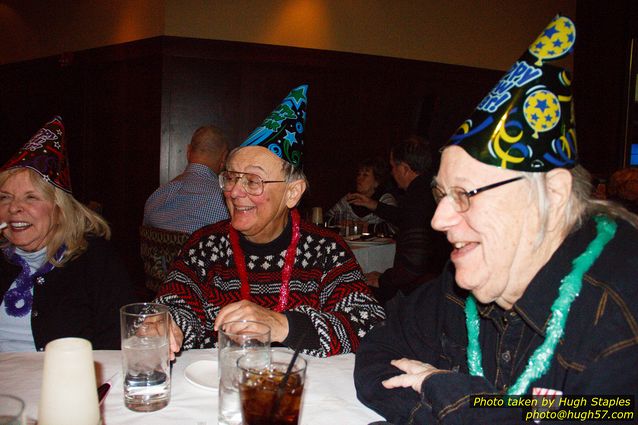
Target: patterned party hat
{"points": [[282, 132], [526, 121], [45, 153]]}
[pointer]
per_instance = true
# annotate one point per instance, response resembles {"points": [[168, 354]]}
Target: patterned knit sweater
{"points": [[328, 298]]}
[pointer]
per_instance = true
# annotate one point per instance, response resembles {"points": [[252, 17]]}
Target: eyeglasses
{"points": [[251, 183], [461, 198]]}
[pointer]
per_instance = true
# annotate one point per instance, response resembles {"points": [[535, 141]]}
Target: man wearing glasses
{"points": [[265, 264], [539, 298]]}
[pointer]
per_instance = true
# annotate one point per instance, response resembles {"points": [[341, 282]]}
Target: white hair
{"points": [[580, 205]]}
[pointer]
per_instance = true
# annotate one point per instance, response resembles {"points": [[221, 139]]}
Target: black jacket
{"points": [[597, 355], [421, 251], [81, 299]]}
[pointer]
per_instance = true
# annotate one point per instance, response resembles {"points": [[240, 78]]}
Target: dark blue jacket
{"points": [[597, 355]]}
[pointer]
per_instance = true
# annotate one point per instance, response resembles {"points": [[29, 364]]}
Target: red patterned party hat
{"points": [[45, 153]]}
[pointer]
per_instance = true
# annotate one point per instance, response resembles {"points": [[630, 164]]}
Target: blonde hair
{"points": [[75, 222]]}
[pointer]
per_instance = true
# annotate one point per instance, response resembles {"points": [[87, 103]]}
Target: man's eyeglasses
{"points": [[460, 197], [251, 183]]}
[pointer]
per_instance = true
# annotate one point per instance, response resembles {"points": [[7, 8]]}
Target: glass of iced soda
{"points": [[270, 389]]}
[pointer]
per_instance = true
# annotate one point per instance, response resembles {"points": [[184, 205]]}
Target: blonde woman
{"points": [[59, 276]]}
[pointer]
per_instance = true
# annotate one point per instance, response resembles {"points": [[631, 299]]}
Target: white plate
{"points": [[369, 242], [203, 374]]}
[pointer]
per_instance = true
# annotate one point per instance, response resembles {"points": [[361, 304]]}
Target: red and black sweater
{"points": [[328, 296]]}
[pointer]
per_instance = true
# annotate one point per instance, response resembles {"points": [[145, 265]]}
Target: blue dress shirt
{"points": [[189, 201]]}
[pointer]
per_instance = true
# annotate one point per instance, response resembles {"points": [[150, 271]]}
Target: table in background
{"points": [[374, 257], [329, 394]]}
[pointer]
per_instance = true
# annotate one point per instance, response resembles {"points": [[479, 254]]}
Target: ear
{"points": [[294, 192], [188, 152], [559, 189]]}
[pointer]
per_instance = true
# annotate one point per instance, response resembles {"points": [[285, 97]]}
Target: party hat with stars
{"points": [[526, 121], [282, 132], [45, 153]]}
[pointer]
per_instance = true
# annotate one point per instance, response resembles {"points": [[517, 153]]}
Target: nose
{"points": [[238, 189], [445, 216], [15, 206]]}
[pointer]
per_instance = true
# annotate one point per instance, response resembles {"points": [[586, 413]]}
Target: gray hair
{"points": [[580, 205]]}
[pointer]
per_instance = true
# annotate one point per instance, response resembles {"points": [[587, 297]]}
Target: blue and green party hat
{"points": [[282, 132]]}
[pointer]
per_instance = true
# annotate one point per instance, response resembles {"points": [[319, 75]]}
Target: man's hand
{"points": [[246, 310], [372, 279], [415, 374], [176, 338]]}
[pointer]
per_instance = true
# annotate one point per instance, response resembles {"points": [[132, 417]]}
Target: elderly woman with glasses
{"points": [[539, 298], [265, 264]]}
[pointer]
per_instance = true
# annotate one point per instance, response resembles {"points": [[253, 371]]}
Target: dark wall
{"points": [[602, 82], [130, 110], [110, 100]]}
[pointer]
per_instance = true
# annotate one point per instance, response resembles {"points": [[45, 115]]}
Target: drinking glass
{"points": [[68, 394], [269, 394], [11, 410], [317, 216], [234, 340], [145, 331]]}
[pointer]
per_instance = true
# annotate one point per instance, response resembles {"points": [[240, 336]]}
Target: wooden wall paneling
{"points": [[196, 92], [123, 101]]}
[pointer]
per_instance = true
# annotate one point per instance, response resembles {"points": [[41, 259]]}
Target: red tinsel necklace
{"points": [[286, 272]]}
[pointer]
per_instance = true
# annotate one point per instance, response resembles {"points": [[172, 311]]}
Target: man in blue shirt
{"points": [[193, 199]]}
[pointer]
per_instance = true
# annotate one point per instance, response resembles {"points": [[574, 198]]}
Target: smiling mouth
{"points": [[19, 225], [243, 209], [461, 248]]}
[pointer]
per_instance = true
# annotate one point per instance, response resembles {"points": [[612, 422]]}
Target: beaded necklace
{"points": [[286, 271], [570, 287], [19, 300]]}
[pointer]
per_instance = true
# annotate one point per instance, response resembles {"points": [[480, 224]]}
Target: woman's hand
{"points": [[415, 374], [362, 200], [247, 310]]}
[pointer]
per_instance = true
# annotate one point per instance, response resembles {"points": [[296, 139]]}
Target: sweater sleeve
{"points": [[347, 308], [183, 292]]}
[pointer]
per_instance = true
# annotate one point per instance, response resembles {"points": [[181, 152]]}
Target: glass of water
{"points": [[11, 410], [233, 341], [145, 331]]}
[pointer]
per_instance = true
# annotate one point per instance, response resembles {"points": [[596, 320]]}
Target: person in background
{"points": [[623, 188], [417, 257], [540, 295], [193, 199], [59, 276], [265, 264], [372, 174]]}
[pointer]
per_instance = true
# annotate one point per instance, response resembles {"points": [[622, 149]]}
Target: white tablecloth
{"points": [[374, 257], [329, 394]]}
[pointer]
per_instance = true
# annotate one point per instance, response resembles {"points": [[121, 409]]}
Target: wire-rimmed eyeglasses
{"points": [[251, 183], [460, 197]]}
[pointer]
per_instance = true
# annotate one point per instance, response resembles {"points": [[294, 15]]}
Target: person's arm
{"points": [[182, 293], [389, 213], [414, 258], [415, 330], [347, 311]]}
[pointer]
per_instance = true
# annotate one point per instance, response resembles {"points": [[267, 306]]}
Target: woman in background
{"points": [[59, 277], [372, 175]]}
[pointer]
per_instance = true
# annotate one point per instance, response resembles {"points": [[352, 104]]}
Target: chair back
{"points": [[158, 248]]}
